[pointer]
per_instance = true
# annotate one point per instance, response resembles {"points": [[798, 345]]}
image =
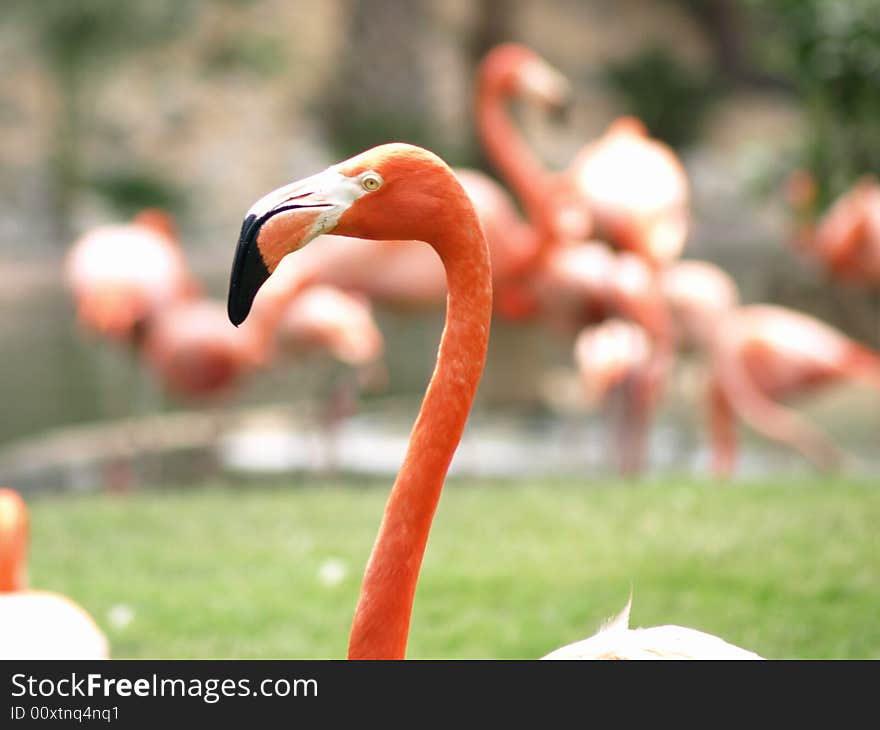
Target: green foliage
{"points": [[259, 54], [132, 190], [79, 34], [79, 42], [669, 98], [789, 569], [831, 52]]}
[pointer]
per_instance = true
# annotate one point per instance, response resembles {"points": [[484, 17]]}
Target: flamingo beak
{"points": [[249, 272], [279, 223], [548, 87], [560, 112]]}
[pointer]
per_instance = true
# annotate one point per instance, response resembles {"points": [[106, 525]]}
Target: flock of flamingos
{"points": [[595, 254]]}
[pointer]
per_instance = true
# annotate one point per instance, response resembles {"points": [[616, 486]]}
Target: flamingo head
{"points": [[515, 70], [628, 126], [391, 192], [157, 220], [801, 192], [13, 541]]}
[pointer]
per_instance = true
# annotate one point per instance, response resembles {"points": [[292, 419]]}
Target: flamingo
{"points": [[615, 354], [195, 353], [563, 279], [551, 205], [847, 238], [300, 318], [615, 640], [763, 354], [632, 189], [37, 624], [122, 274], [507, 72], [698, 294], [607, 354], [758, 356], [320, 319], [411, 277], [394, 192], [324, 318], [587, 283], [637, 190]]}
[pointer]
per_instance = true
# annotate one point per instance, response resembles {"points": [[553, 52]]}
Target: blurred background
{"points": [[201, 107], [171, 517]]}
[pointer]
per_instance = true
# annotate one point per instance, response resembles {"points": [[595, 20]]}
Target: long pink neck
{"points": [[516, 162], [382, 617]]}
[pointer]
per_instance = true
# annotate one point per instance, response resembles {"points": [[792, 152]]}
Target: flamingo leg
{"points": [[722, 429]]}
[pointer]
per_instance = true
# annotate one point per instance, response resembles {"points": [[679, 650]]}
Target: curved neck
{"points": [[516, 162], [381, 622]]}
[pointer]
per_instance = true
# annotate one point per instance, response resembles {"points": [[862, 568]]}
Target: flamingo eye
{"points": [[371, 181]]}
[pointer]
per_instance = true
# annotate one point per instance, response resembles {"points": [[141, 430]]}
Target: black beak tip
{"points": [[249, 272]]}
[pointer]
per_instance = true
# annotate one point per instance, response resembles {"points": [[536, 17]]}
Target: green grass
{"points": [[787, 569]]}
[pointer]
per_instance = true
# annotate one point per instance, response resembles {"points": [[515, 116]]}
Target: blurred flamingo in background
{"points": [[131, 283], [698, 295], [585, 284], [763, 354], [508, 72], [122, 274], [123, 277], [294, 318], [637, 191], [197, 356], [607, 353], [322, 320], [195, 353], [399, 191], [325, 318], [565, 280], [845, 239], [757, 356], [37, 624], [185, 339], [632, 189], [618, 356]]}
